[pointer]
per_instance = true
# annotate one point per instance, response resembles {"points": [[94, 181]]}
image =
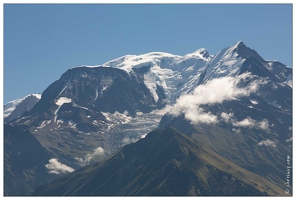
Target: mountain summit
{"points": [[16, 108], [235, 103]]}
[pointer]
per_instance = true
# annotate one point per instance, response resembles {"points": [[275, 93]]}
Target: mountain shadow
{"points": [[164, 163], [24, 162]]}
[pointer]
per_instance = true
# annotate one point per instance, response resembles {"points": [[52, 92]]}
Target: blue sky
{"points": [[42, 41]]}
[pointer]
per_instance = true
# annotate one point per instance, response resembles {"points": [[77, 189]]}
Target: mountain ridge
{"points": [[12, 106], [91, 112], [132, 179]]}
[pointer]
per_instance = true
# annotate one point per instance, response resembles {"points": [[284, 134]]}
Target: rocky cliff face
{"points": [[235, 102]]}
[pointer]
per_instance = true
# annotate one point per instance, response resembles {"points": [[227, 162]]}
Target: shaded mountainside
{"points": [[253, 131], [257, 133], [74, 111], [100, 88], [243, 145], [93, 111], [166, 162], [24, 162]]}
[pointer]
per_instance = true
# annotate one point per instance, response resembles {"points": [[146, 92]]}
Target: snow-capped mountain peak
{"points": [[129, 62], [161, 59], [107, 106], [165, 70], [245, 52], [201, 53], [12, 105], [239, 44], [225, 62], [38, 96]]}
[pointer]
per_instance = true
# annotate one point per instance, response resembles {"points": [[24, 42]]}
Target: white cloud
{"points": [[214, 91], [98, 152], [226, 116], [264, 125], [198, 115], [236, 130], [56, 167], [251, 123], [97, 155], [247, 122], [289, 140], [267, 143]]}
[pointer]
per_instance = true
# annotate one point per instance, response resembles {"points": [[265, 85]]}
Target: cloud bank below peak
{"points": [[215, 92]]}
